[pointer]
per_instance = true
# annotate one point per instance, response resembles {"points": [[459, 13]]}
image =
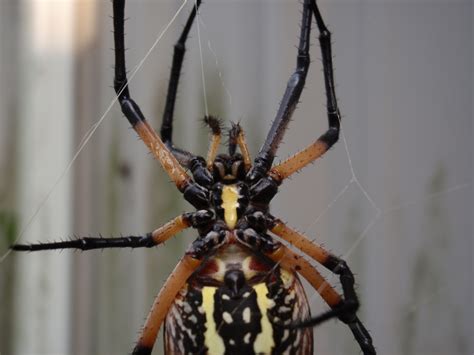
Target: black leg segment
{"points": [[166, 131], [264, 159], [346, 310], [129, 108], [334, 116], [89, 243], [193, 219]]}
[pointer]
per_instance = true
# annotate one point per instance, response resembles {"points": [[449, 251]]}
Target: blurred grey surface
{"points": [[394, 197]]}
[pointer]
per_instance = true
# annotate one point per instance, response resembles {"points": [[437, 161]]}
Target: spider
{"points": [[236, 289]]}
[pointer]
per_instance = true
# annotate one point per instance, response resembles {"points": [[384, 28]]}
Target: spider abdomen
{"points": [[238, 303]]}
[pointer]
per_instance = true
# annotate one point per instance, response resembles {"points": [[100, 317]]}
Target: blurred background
{"points": [[394, 196]]}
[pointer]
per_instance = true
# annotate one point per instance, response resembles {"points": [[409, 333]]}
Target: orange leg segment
{"points": [[342, 308], [244, 150], [215, 126], [298, 161], [292, 261], [149, 240], [237, 137], [213, 148], [186, 266], [175, 171], [300, 241], [132, 111], [170, 229], [317, 253]]}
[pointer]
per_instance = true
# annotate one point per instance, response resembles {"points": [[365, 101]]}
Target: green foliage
{"points": [[8, 228], [430, 275]]}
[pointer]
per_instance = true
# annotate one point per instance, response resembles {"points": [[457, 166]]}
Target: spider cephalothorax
{"points": [[228, 168], [236, 290]]}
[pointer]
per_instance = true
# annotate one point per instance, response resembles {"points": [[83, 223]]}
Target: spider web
{"points": [[378, 217], [88, 135]]}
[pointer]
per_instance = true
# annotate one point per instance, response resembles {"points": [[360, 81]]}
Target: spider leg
{"points": [[215, 126], [196, 253], [132, 111], [330, 137], [152, 239], [237, 137], [196, 164], [166, 131], [177, 279], [344, 310], [292, 261], [264, 159]]}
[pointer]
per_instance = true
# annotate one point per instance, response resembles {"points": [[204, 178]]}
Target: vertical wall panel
{"points": [[45, 86]]}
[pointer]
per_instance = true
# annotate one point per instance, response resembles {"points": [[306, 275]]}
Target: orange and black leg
{"points": [[196, 253], [264, 183], [166, 131], [215, 126], [194, 192], [196, 164], [158, 236], [344, 309], [265, 157], [237, 138], [178, 278], [328, 139], [133, 113]]}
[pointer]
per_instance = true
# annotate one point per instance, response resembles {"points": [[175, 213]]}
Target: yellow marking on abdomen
{"points": [[264, 342], [230, 198], [212, 339]]}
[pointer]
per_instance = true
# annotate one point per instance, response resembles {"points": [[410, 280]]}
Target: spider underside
{"points": [[236, 289]]}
